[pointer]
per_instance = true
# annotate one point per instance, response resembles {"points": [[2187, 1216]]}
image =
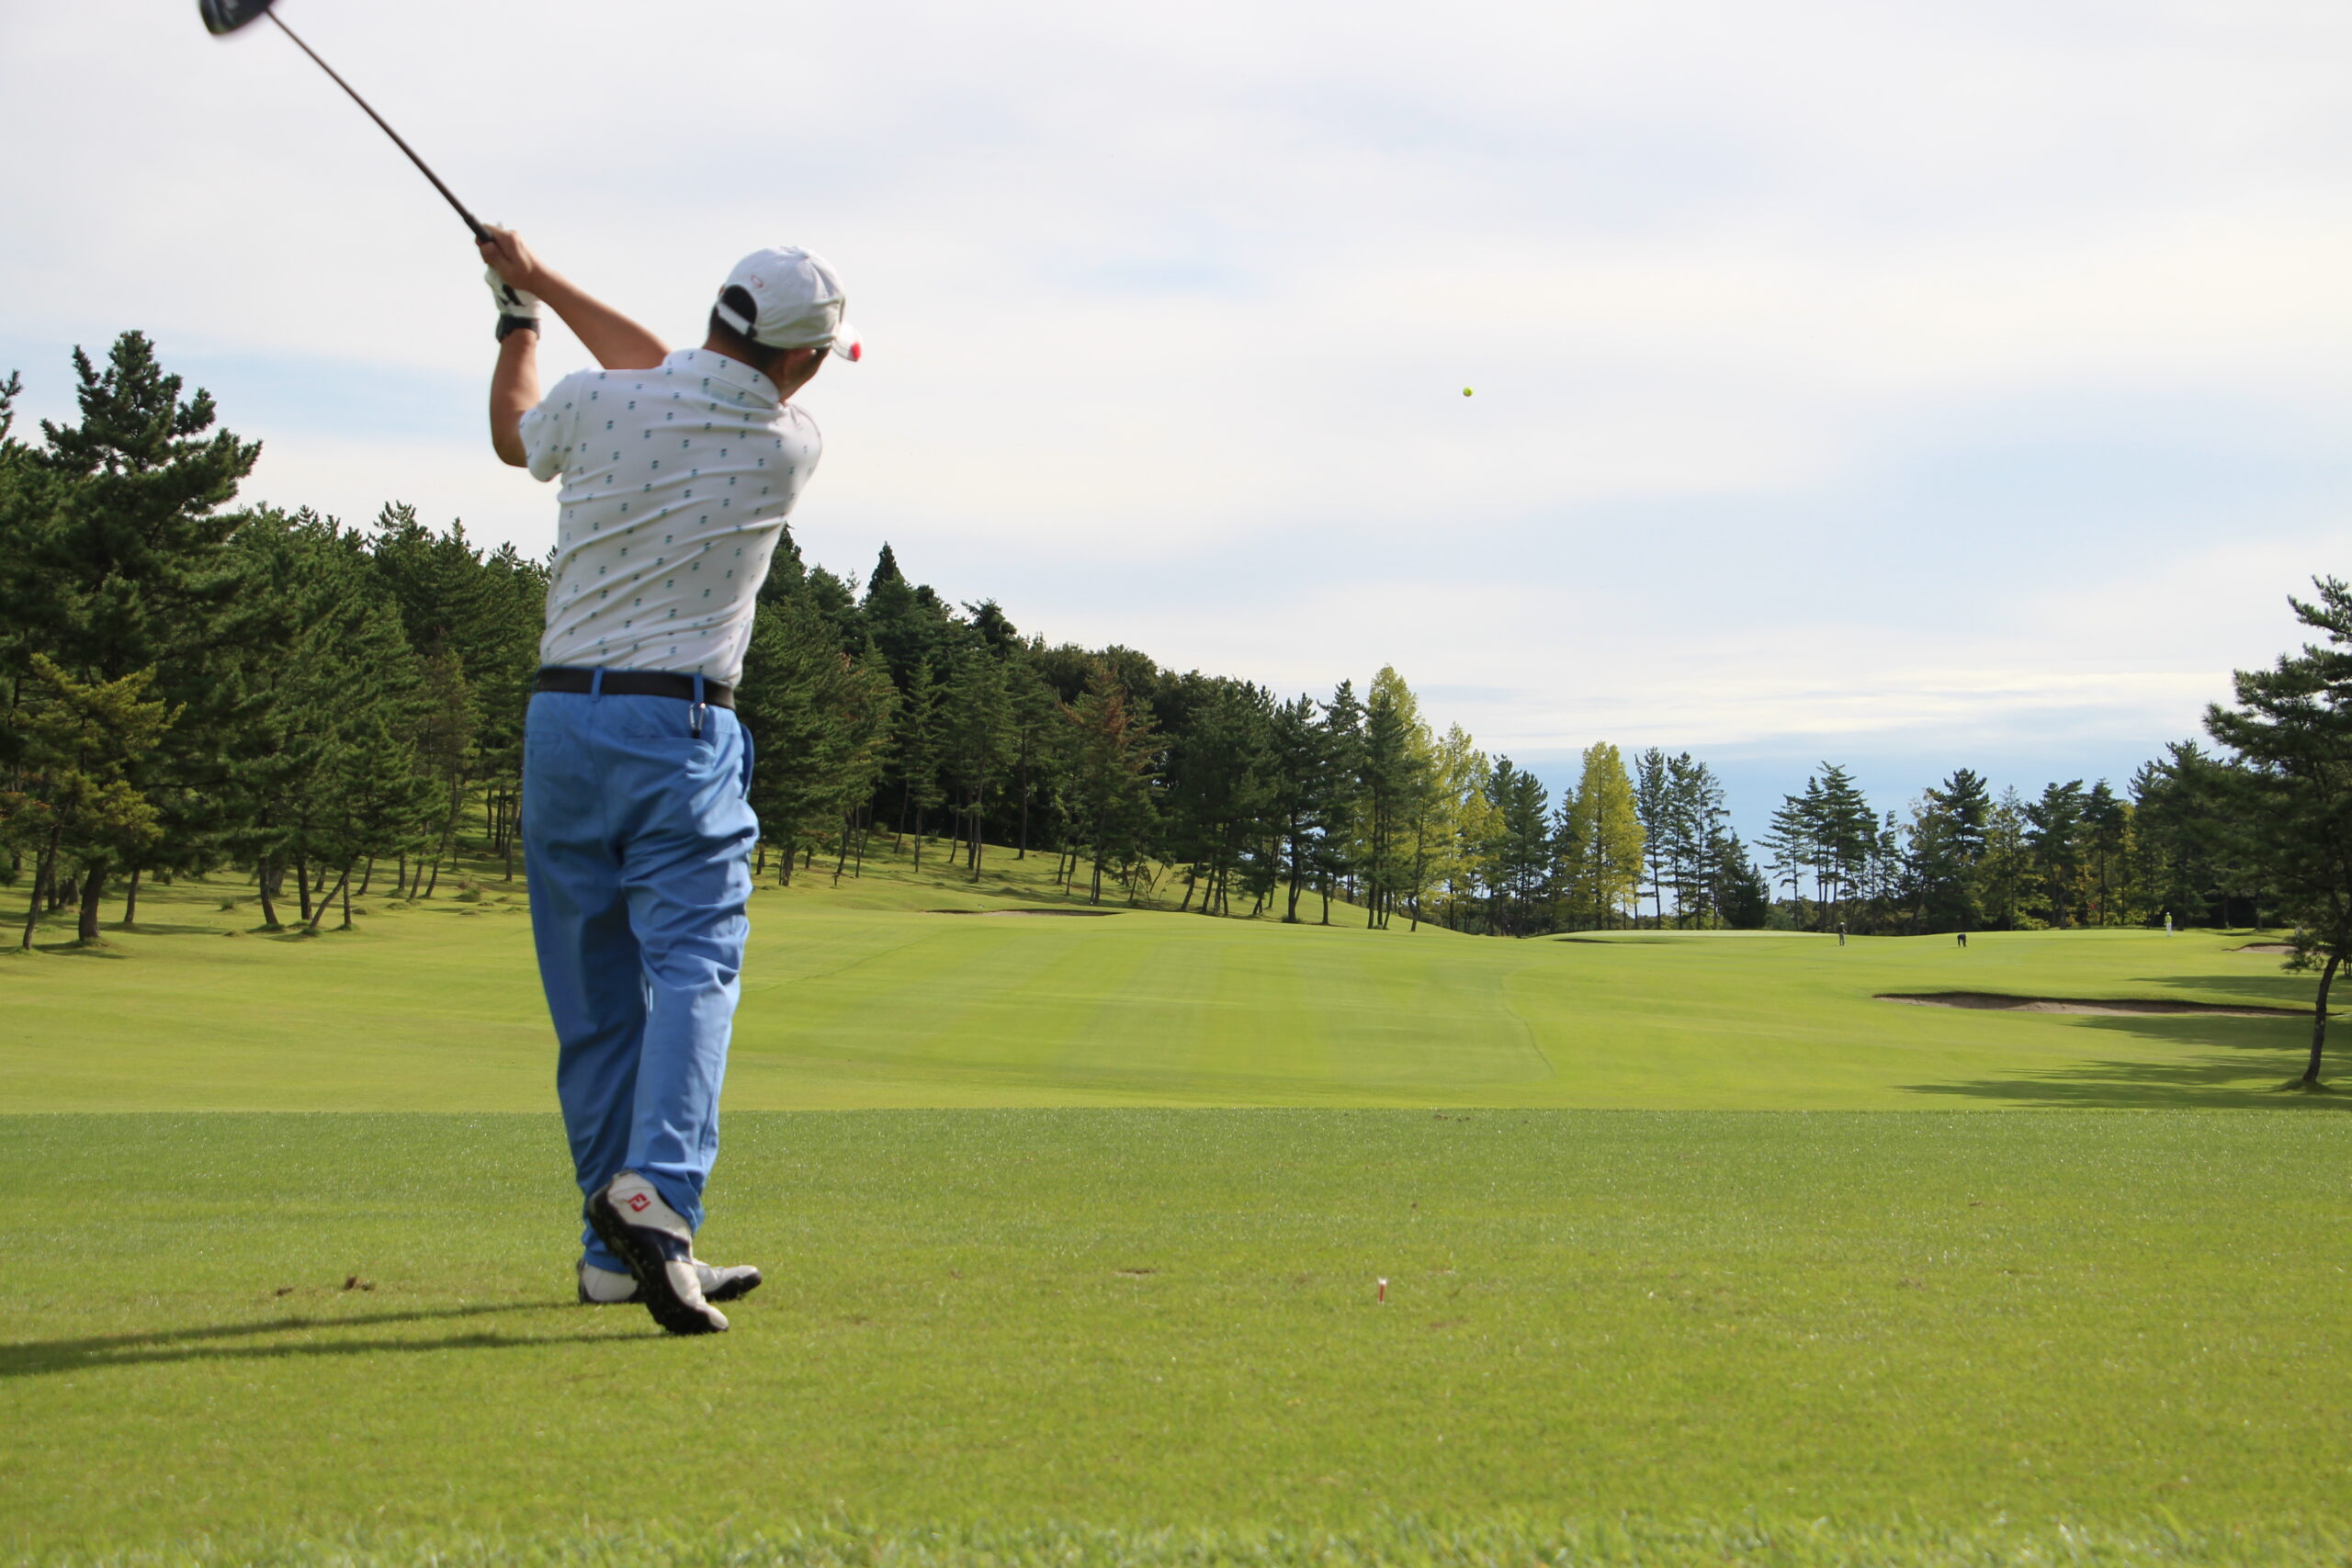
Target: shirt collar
{"points": [[734, 372]]}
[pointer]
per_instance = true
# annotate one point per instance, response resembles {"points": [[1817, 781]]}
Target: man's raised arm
{"points": [[617, 342]]}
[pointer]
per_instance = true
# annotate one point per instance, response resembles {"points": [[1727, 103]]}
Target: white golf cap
{"points": [[796, 302]]}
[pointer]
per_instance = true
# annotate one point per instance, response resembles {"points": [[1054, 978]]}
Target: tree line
{"points": [[191, 686]]}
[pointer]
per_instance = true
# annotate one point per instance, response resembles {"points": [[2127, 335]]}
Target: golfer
{"points": [[679, 469]]}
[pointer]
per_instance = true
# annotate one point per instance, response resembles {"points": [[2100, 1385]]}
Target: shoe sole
{"points": [[652, 1279]]}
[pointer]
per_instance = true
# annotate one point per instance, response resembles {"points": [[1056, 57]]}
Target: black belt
{"points": [[636, 684]]}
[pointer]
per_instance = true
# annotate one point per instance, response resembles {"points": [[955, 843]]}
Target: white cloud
{"points": [[1840, 368]]}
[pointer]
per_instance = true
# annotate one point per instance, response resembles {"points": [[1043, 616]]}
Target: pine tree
{"points": [[1218, 787], [1113, 767], [128, 567], [1340, 835], [82, 744], [2290, 729], [447, 720], [1522, 854], [1299, 760], [976, 735], [1847, 831], [2003, 874], [1741, 895], [1946, 847], [1692, 824], [918, 744], [1652, 803], [2107, 843], [2054, 837]]}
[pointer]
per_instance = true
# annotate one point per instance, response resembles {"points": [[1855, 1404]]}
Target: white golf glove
{"points": [[512, 301]]}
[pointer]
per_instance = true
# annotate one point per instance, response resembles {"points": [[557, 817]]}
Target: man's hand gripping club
{"points": [[520, 283]]}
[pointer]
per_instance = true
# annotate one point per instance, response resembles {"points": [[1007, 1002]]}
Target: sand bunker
{"points": [[1081, 912], [2266, 947], [1994, 1002]]}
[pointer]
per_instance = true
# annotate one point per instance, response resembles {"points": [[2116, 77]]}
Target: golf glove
{"points": [[512, 301]]}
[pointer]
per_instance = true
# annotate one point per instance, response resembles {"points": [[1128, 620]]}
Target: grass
{"points": [[1935, 1328], [1073, 1226], [862, 997]]}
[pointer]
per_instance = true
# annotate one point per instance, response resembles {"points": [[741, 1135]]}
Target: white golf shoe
{"points": [[630, 1217], [615, 1287]]}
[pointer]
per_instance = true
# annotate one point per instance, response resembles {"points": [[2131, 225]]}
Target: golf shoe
{"points": [[630, 1217], [613, 1287]]}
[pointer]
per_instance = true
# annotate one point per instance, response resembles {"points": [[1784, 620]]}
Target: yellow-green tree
{"points": [[1399, 786], [1459, 824], [1602, 838]]}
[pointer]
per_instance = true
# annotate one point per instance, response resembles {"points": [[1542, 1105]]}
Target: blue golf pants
{"points": [[636, 839]]}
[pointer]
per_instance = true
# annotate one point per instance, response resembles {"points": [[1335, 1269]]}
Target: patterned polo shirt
{"points": [[676, 484]]}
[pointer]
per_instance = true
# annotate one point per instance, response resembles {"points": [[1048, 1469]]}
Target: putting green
{"points": [[864, 996]]}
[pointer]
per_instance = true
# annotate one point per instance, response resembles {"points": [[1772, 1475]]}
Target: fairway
{"points": [[867, 996], [1074, 1225], [1933, 1328]]}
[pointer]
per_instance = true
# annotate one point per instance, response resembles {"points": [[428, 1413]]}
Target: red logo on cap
{"points": [[638, 1201]]}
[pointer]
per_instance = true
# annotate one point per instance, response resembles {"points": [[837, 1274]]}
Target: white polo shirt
{"points": [[676, 484]]}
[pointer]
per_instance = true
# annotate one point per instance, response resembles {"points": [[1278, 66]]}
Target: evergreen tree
{"points": [[1742, 898], [2290, 729], [448, 722], [819, 722], [127, 568], [1793, 840], [1300, 776], [1947, 845], [2004, 875], [1653, 805], [83, 742], [1692, 823], [1339, 839], [918, 743], [2107, 844], [1114, 766], [1521, 856], [1220, 789], [976, 735], [1034, 721], [2054, 839]]}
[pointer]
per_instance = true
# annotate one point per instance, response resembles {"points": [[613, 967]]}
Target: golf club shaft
{"points": [[481, 235]]}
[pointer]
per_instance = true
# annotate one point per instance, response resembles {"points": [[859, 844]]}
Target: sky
{"points": [[1910, 386]]}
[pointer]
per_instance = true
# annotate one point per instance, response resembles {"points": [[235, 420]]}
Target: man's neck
{"points": [[712, 346]]}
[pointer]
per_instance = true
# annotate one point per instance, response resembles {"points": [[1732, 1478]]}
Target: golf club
{"points": [[222, 17]]}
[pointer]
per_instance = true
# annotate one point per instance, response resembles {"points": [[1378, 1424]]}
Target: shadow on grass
{"points": [[73, 947], [2235, 1064], [222, 1342], [2277, 988]]}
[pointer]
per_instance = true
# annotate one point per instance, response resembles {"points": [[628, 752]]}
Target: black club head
{"points": [[228, 16]]}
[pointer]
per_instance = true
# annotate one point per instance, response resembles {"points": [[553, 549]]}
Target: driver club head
{"points": [[228, 16]]}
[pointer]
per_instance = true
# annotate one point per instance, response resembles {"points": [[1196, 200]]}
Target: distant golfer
{"points": [[678, 472]]}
